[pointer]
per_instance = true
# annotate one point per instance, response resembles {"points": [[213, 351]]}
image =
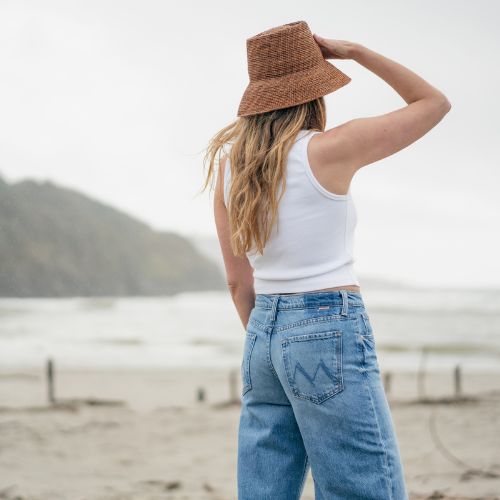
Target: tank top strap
{"points": [[305, 133], [301, 134], [304, 141], [303, 138]]}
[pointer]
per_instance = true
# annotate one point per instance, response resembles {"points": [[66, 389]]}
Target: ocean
{"points": [[203, 329]]}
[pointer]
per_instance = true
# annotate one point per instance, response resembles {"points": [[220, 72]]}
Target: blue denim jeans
{"points": [[312, 397]]}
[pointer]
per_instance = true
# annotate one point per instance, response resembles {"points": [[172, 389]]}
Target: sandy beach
{"points": [[135, 434]]}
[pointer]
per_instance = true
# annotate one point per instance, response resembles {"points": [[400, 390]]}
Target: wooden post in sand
{"points": [[50, 381], [421, 374], [200, 394], [457, 378]]}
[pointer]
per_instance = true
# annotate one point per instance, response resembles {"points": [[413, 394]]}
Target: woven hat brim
{"points": [[290, 90]]}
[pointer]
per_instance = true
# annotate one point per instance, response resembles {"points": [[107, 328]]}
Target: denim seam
{"points": [[340, 361], [268, 355], [311, 321], [308, 321], [386, 459], [367, 338], [284, 307], [247, 381], [367, 387], [387, 467], [256, 323], [304, 475], [361, 347], [368, 332]]}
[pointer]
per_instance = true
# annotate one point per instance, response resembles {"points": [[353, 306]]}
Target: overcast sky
{"points": [[118, 99]]}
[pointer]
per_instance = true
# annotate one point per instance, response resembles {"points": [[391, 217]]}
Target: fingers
{"points": [[325, 52]]}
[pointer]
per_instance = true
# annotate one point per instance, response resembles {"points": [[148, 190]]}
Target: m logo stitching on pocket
{"points": [[245, 362], [313, 365]]}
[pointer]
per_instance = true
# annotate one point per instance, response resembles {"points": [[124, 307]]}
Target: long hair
{"points": [[259, 148]]}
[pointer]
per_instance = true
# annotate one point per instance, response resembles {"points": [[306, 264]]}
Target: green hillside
{"points": [[57, 242]]}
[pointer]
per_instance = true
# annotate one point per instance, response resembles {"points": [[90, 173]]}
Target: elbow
{"points": [[439, 104], [439, 107], [234, 287], [240, 287], [444, 104]]}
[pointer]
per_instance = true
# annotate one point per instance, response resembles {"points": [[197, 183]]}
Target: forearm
{"points": [[405, 82], [244, 300]]}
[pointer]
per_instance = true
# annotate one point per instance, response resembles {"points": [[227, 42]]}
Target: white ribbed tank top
{"points": [[311, 247]]}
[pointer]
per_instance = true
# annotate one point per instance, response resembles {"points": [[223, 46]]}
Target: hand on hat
{"points": [[334, 49]]}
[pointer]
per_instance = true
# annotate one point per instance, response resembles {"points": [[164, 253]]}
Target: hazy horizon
{"points": [[118, 101]]}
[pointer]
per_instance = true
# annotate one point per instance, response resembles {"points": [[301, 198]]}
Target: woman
{"points": [[311, 394]]}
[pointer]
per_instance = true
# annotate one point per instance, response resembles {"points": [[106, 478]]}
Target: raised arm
{"points": [[363, 141]]}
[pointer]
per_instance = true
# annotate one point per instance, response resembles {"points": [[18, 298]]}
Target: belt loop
{"points": [[273, 313], [345, 302]]}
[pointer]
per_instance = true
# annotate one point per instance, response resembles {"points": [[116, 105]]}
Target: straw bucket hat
{"points": [[286, 67]]}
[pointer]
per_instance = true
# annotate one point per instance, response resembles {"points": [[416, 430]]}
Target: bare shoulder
{"points": [[324, 153]]}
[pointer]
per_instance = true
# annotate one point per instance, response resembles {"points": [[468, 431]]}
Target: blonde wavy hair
{"points": [[259, 148]]}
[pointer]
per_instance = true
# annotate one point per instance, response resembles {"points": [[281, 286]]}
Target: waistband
{"points": [[308, 299]]}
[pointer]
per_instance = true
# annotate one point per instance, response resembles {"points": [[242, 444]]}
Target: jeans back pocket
{"points": [[245, 362], [313, 364]]}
